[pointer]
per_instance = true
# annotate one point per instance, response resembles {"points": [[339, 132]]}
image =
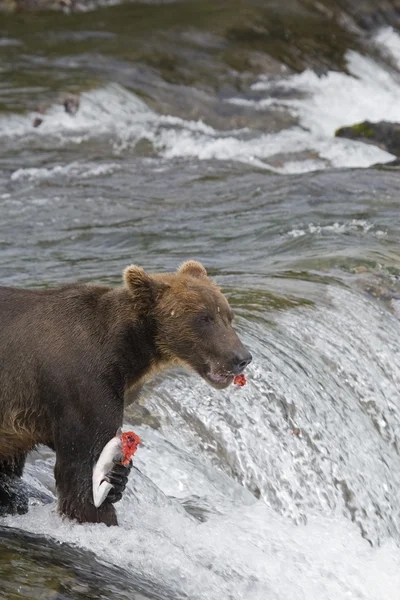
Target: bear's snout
{"points": [[240, 361]]}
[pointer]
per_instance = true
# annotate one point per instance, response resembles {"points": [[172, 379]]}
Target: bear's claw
{"points": [[118, 477]]}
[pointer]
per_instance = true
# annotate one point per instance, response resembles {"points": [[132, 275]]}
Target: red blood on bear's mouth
{"points": [[240, 380], [130, 442]]}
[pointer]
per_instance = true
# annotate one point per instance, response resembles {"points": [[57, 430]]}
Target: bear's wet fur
{"points": [[68, 355]]}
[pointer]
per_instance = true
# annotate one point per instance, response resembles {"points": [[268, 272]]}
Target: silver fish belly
{"points": [[100, 486]]}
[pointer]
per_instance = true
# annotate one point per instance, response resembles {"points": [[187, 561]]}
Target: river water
{"points": [[287, 487]]}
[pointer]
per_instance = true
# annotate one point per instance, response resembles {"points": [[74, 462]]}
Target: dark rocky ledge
{"points": [[383, 134]]}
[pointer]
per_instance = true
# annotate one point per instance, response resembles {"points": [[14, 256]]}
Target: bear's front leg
{"points": [[75, 498], [77, 450]]}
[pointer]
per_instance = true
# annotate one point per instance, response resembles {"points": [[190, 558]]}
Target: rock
{"points": [[70, 102], [32, 566], [383, 134]]}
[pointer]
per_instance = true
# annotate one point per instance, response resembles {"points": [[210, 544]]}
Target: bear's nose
{"points": [[240, 361]]}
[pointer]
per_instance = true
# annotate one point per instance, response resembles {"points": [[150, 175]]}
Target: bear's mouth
{"points": [[219, 380]]}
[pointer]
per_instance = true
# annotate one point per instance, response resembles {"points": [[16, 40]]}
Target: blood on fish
{"points": [[130, 442], [240, 380]]}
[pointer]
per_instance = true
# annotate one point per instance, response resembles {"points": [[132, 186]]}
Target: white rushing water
{"points": [[321, 104], [315, 433]]}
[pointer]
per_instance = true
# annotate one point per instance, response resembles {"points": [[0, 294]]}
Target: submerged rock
{"points": [[383, 134], [70, 102], [32, 566]]}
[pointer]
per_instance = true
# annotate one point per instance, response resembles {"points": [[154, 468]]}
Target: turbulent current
{"points": [[289, 486]]}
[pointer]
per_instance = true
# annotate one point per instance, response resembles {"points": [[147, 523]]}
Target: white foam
{"points": [[74, 170], [336, 99], [333, 100], [101, 112], [247, 553], [355, 225], [389, 40]]}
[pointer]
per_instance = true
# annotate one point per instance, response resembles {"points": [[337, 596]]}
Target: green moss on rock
{"points": [[384, 134], [359, 130]]}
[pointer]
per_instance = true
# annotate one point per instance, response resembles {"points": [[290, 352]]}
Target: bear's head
{"points": [[193, 321]]}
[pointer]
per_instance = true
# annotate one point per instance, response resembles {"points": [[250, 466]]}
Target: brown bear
{"points": [[68, 354]]}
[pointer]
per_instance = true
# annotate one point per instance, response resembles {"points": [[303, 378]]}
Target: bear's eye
{"points": [[206, 319]]}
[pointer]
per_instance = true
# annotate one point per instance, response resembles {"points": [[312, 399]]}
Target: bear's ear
{"points": [[145, 288], [136, 278], [192, 268]]}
